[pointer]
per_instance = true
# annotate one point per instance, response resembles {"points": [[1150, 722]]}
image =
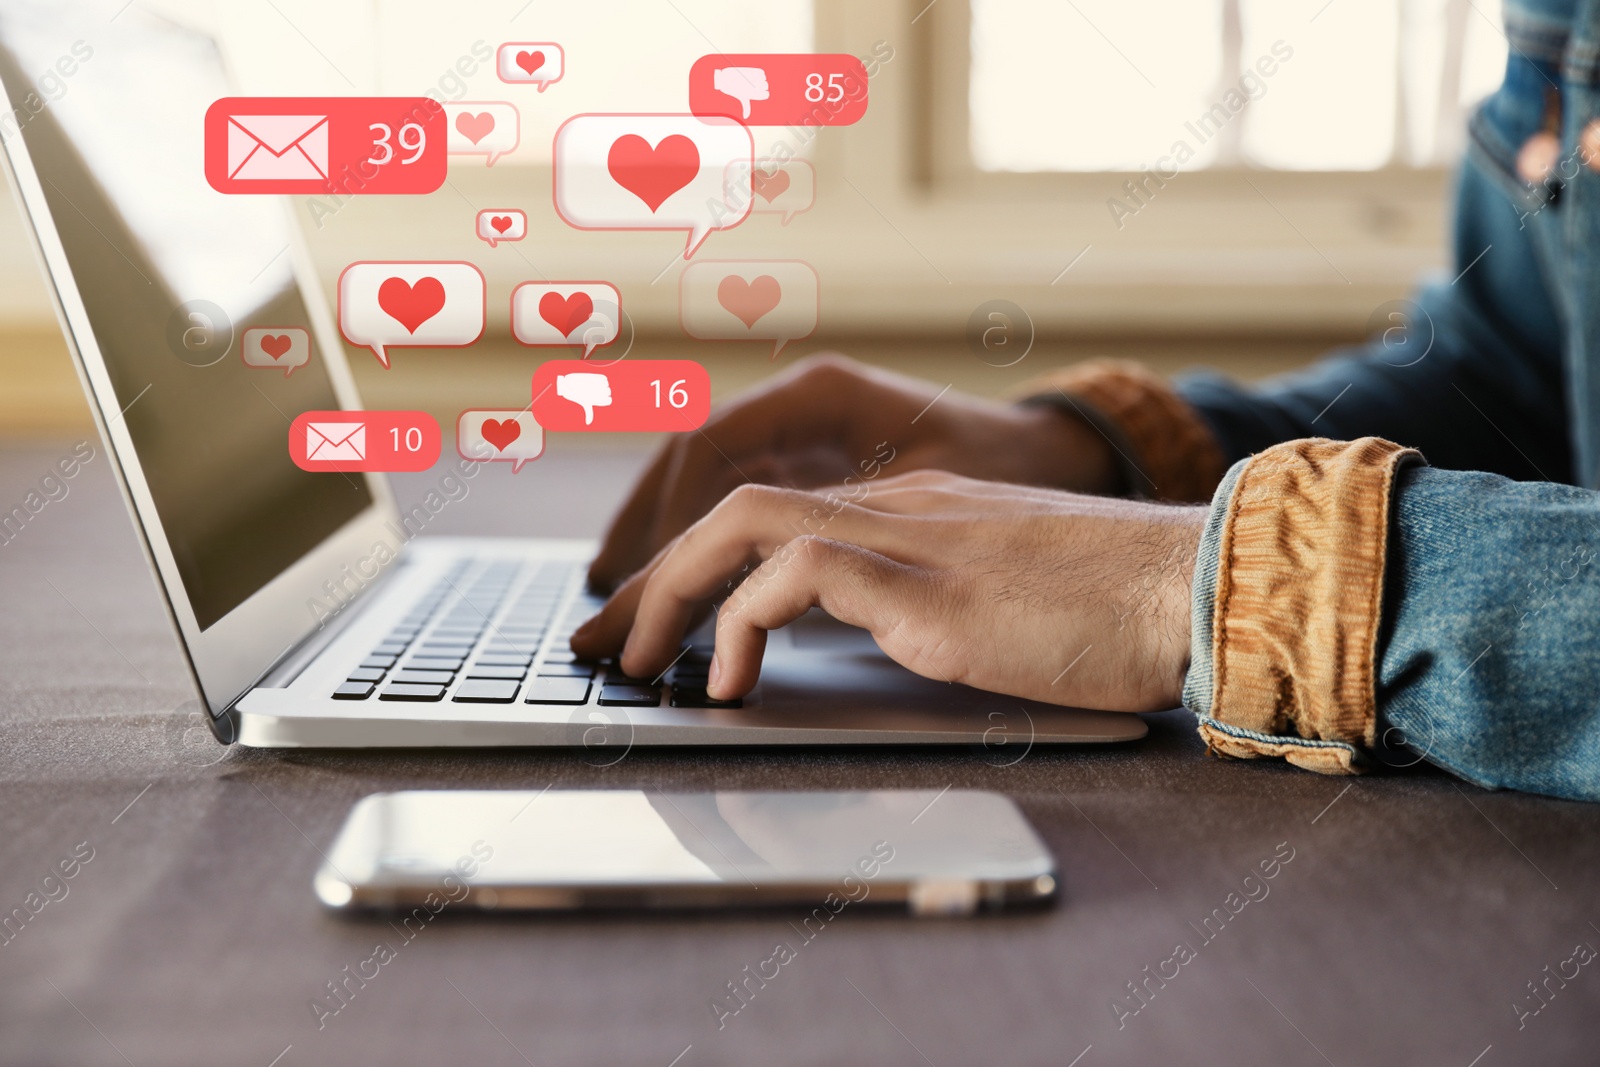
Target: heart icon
{"points": [[475, 127], [276, 345], [653, 174], [411, 304], [748, 301], [501, 223], [767, 185], [501, 432], [530, 61], [566, 313]]}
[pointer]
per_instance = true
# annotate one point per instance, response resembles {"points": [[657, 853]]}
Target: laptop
{"points": [[310, 613]]}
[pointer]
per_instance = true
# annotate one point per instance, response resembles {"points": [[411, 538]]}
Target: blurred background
{"points": [[1235, 183]]}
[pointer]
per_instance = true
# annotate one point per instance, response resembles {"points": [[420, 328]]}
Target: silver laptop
{"points": [[309, 613]]}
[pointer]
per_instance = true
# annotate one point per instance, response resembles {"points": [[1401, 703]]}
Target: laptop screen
{"points": [[172, 274]]}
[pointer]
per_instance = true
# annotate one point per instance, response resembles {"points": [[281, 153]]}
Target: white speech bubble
{"points": [[585, 389], [774, 300], [651, 172], [284, 348], [744, 84], [566, 313], [411, 304], [495, 435], [502, 224], [483, 128], [536, 63], [777, 186]]}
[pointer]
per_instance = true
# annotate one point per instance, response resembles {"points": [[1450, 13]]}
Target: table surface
{"points": [[1406, 928]]}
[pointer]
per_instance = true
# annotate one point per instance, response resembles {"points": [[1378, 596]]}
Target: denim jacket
{"points": [[1485, 655]]}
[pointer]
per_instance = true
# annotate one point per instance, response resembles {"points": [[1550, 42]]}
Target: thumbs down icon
{"points": [[587, 390], [744, 84]]}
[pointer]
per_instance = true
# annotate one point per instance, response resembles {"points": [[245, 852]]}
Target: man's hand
{"points": [[1032, 592], [825, 419]]}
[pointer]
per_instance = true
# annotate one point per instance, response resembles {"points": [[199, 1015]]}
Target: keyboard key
{"points": [[389, 648], [435, 663], [366, 674], [484, 691], [380, 662], [424, 677], [695, 697], [566, 670], [353, 691], [412, 692], [483, 670], [505, 659], [630, 696], [558, 691], [446, 650], [558, 655]]}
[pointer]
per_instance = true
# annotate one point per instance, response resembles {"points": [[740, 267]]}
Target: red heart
{"points": [[749, 300], [653, 174], [411, 304], [530, 61], [769, 185], [566, 313], [276, 345], [501, 223], [501, 432], [475, 127]]}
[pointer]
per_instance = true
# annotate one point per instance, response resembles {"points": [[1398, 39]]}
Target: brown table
{"points": [[1405, 929]]}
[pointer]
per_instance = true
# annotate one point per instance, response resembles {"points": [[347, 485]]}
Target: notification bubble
{"points": [[411, 304], [530, 63], [483, 128], [348, 441], [566, 313], [651, 172], [492, 435], [775, 300], [502, 224], [780, 89], [777, 186], [635, 395], [284, 348]]}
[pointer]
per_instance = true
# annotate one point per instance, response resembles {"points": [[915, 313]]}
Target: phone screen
{"points": [[949, 851]]}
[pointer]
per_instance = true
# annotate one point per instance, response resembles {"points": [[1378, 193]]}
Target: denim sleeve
{"points": [[1469, 372], [1487, 660]]}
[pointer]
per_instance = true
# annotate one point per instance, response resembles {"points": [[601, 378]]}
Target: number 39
{"points": [[415, 144]]}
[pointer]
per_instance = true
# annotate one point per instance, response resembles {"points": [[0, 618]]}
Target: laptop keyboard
{"points": [[495, 633]]}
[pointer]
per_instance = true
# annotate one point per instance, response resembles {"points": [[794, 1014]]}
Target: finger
{"points": [[625, 546], [853, 584]]}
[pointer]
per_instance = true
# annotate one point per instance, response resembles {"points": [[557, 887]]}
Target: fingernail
{"points": [[715, 672]]}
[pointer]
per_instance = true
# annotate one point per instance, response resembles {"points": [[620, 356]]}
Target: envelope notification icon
{"points": [[278, 147], [336, 442]]}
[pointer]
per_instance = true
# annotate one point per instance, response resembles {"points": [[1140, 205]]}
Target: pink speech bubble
{"points": [[539, 63], [284, 348], [483, 128], [494, 435], [411, 304], [566, 313], [784, 187], [501, 224], [651, 172], [776, 300]]}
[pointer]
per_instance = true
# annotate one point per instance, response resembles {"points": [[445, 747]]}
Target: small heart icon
{"points": [[501, 223], [530, 61], [767, 185], [411, 304], [748, 301], [475, 127], [501, 432], [276, 345], [566, 313], [653, 174]]}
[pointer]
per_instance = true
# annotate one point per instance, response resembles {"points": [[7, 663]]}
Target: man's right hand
{"points": [[829, 419]]}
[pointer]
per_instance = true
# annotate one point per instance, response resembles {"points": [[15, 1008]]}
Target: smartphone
{"points": [[948, 852]]}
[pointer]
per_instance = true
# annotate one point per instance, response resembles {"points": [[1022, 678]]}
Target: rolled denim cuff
{"points": [[1165, 449], [1287, 603]]}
